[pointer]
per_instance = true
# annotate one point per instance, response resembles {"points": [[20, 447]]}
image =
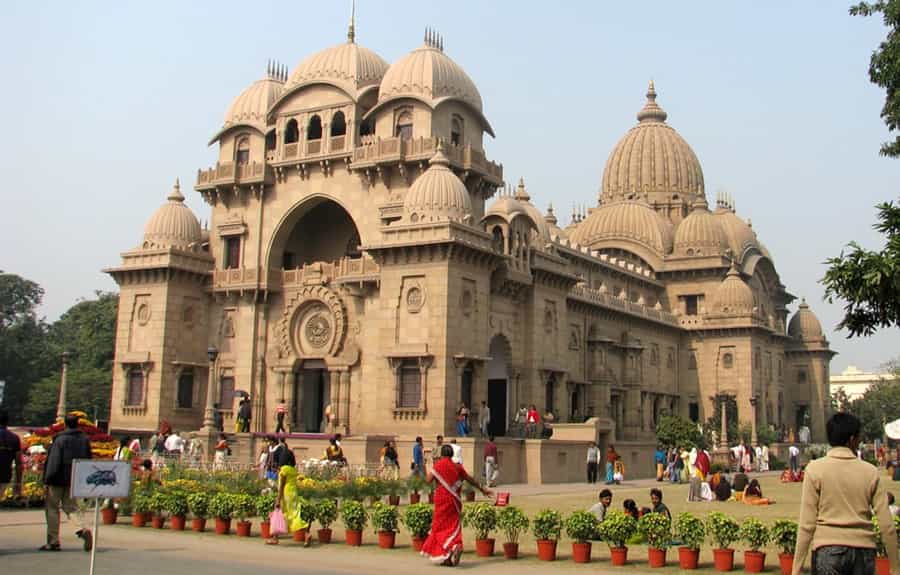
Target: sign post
{"points": [[99, 479]]}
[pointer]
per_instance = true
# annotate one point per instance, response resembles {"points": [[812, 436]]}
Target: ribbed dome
{"points": [[652, 160], [251, 106], [739, 235], [700, 234], [535, 214], [429, 74], [733, 296], [173, 225], [348, 65], [805, 325], [628, 220], [507, 207], [438, 194]]}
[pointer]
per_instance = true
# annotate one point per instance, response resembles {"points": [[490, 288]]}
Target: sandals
{"points": [[49, 547], [272, 541]]}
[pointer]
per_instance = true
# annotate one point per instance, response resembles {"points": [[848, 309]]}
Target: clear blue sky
{"points": [[107, 102]]}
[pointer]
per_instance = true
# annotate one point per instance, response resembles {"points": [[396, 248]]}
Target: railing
{"points": [[229, 172], [337, 143], [377, 149], [290, 150], [606, 300], [344, 269], [313, 147]]}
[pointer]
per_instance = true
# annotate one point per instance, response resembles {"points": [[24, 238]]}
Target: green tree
{"points": [[22, 344], [884, 66], [879, 405], [674, 431]]}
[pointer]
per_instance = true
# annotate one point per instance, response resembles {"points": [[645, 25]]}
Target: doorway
{"points": [[311, 394], [497, 402]]}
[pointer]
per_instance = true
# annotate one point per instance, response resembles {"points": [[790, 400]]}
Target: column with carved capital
{"points": [[723, 441], [754, 403], [334, 399], [344, 404], [61, 400]]}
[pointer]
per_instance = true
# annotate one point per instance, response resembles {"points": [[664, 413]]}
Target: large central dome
{"points": [[348, 66], [652, 161]]}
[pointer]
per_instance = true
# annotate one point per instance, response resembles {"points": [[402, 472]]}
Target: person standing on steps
{"points": [[69, 444], [280, 414], [484, 419], [593, 463], [491, 461]]}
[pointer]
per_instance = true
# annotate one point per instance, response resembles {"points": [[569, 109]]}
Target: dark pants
{"points": [[592, 469], [841, 560], [245, 425], [279, 427]]}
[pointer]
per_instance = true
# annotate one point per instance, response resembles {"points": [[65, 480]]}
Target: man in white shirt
{"points": [[457, 452], [593, 463], [794, 456], [484, 419], [600, 508], [174, 444]]}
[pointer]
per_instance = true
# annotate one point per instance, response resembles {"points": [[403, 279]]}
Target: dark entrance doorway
{"points": [[497, 402], [310, 396]]}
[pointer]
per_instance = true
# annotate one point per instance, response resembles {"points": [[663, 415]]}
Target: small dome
{"points": [[739, 235], [805, 325], [535, 214], [254, 102], [348, 66], [625, 220], [428, 74], [733, 296], [438, 194], [700, 234], [173, 225], [652, 160], [553, 224], [506, 207]]}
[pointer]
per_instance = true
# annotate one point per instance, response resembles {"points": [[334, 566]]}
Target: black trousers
{"points": [[841, 560], [279, 428], [592, 471]]}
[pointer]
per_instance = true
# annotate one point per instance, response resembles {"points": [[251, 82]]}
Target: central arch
{"points": [[319, 229], [498, 383]]}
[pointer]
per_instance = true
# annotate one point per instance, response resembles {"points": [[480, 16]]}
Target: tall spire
{"points": [[351, 30], [651, 112]]}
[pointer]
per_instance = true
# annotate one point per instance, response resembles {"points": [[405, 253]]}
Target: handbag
{"points": [[277, 524]]}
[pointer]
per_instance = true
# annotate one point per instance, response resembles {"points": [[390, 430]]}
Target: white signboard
{"points": [[100, 478], [892, 429]]}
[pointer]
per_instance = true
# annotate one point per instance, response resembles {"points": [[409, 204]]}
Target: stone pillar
{"points": [[754, 403], [334, 389], [61, 400], [632, 413], [344, 411], [723, 442], [209, 413], [294, 397]]}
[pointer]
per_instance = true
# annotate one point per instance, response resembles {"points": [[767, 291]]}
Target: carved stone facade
{"points": [[352, 268]]}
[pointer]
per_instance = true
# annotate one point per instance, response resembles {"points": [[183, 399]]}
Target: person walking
{"points": [[838, 496], [221, 452], [764, 458], [436, 450], [290, 503], [593, 463], [245, 412], [280, 414], [532, 419], [484, 419], [10, 453], [491, 462], [794, 456], [69, 444], [418, 458], [611, 458], [462, 420], [659, 457]]}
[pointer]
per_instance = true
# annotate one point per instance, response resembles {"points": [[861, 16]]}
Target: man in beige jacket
{"points": [[839, 493]]}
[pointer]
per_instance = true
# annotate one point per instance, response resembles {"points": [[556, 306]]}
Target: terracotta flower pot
{"points": [[470, 496], [417, 543], [158, 521], [198, 524], [618, 555], [414, 498], [723, 559], [393, 500], [484, 547], [176, 523], [300, 535], [656, 557], [109, 515], [139, 519], [324, 535], [264, 530], [754, 561], [223, 526], [581, 552], [243, 528], [511, 550], [786, 562], [386, 539], [546, 549], [688, 558], [882, 566], [353, 537]]}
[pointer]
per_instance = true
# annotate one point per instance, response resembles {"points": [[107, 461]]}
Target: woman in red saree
{"points": [[444, 542]]}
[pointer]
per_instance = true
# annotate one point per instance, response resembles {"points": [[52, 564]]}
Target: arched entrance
{"points": [[318, 230], [498, 384]]}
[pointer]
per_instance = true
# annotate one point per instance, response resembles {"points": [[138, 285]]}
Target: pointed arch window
{"points": [[456, 130], [338, 125], [242, 151], [291, 132], [185, 395], [728, 361], [135, 394], [314, 128], [404, 127]]}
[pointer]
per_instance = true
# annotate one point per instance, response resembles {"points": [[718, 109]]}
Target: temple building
{"points": [[367, 265]]}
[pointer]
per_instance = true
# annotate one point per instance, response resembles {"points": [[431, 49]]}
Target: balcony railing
{"points": [[344, 270], [605, 300], [377, 150], [231, 173]]}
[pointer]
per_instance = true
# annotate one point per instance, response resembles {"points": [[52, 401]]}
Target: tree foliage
{"points": [[884, 66], [868, 281], [22, 339], [674, 431], [879, 405]]}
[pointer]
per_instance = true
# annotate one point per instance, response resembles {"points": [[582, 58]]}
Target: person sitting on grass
{"points": [[656, 498], [753, 494]]}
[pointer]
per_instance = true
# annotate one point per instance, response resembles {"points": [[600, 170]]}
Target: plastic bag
{"points": [[277, 524]]}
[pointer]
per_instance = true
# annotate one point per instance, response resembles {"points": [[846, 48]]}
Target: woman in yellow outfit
{"points": [[289, 502]]}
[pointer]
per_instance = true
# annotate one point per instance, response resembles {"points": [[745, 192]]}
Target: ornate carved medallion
{"points": [[415, 299], [318, 330]]}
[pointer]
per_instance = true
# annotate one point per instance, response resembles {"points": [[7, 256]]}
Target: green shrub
{"points": [[307, 510], [880, 548], [656, 529], [176, 503], [221, 505], [141, 503], [385, 517], [157, 502], [784, 535], [265, 504], [198, 503], [617, 528], [690, 530], [417, 519], [244, 505], [581, 525], [354, 515], [512, 521], [415, 483], [722, 529], [776, 464], [547, 524], [754, 533], [483, 519], [326, 512]]}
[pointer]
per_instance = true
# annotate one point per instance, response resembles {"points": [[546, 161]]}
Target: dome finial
{"points": [[439, 158], [175, 195], [521, 192], [651, 112], [351, 29]]}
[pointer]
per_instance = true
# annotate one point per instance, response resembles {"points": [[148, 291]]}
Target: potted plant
{"points": [[355, 519], [755, 535], [784, 536], [482, 517], [326, 512], [307, 515], [580, 527], [221, 506], [724, 531], [546, 527], [512, 521], [394, 488], [417, 519], [265, 505], [657, 531], [158, 501], [140, 504], [385, 519], [108, 513], [244, 509], [415, 484], [690, 530], [468, 492], [882, 563], [616, 528], [430, 488], [198, 504], [176, 505]]}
